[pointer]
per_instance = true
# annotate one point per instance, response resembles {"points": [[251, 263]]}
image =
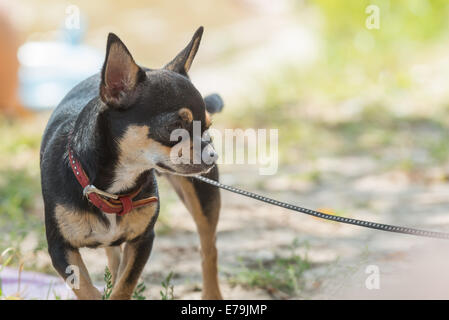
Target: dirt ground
{"points": [[338, 255]]}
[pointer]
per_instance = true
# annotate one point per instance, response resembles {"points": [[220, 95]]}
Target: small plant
{"points": [[3, 264], [108, 288], [138, 292], [50, 287], [5, 259], [167, 292], [56, 295], [281, 274]]}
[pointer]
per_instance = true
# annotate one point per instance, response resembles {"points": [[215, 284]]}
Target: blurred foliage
{"points": [[401, 21], [405, 26], [19, 185], [18, 192], [376, 131], [355, 56], [358, 71]]}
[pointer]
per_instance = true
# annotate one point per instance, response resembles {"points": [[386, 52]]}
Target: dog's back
{"points": [[66, 113]]}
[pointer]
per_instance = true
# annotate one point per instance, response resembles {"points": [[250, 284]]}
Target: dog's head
{"points": [[157, 117]]}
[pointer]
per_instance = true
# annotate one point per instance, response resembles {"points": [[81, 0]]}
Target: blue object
{"points": [[49, 70]]}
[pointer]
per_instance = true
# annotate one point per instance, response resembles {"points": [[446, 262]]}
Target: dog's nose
{"points": [[209, 154], [213, 156]]}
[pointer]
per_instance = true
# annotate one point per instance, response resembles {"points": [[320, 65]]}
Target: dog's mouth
{"points": [[186, 170], [165, 167]]}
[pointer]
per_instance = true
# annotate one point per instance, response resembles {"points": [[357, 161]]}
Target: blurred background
{"points": [[362, 114]]}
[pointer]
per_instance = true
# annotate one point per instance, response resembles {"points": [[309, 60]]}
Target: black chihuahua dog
{"points": [[100, 152]]}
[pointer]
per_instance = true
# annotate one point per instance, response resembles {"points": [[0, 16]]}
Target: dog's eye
{"points": [[174, 126]]}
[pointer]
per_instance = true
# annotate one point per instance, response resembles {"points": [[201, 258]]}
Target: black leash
{"points": [[361, 223]]}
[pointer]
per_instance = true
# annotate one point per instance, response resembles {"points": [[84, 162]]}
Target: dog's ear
{"points": [[120, 75], [182, 62]]}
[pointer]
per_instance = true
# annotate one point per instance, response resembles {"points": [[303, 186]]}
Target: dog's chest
{"points": [[82, 229]]}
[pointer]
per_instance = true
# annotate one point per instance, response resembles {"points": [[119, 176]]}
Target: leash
{"points": [[321, 215]]}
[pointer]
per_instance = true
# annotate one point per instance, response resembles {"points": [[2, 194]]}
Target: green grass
{"points": [[20, 187], [18, 137], [18, 192], [138, 293], [7, 257], [374, 131], [108, 284], [288, 97], [281, 274], [167, 292]]}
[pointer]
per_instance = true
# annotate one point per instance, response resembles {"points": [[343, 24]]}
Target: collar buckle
{"points": [[93, 189]]}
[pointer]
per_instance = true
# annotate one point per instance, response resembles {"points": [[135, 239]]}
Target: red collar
{"points": [[106, 202]]}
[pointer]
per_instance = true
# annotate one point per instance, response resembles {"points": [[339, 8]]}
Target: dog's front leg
{"points": [[69, 264], [135, 256], [113, 254], [205, 212]]}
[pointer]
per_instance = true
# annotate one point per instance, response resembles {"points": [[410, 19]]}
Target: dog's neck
{"points": [[93, 145]]}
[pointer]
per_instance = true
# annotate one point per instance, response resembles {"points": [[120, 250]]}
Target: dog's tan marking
{"points": [[192, 53], [137, 153], [208, 120], [114, 255], [86, 290], [123, 289], [82, 229], [207, 232], [136, 222], [183, 61], [186, 115]]}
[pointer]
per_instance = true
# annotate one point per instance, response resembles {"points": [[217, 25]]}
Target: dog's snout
{"points": [[213, 155], [209, 153]]}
